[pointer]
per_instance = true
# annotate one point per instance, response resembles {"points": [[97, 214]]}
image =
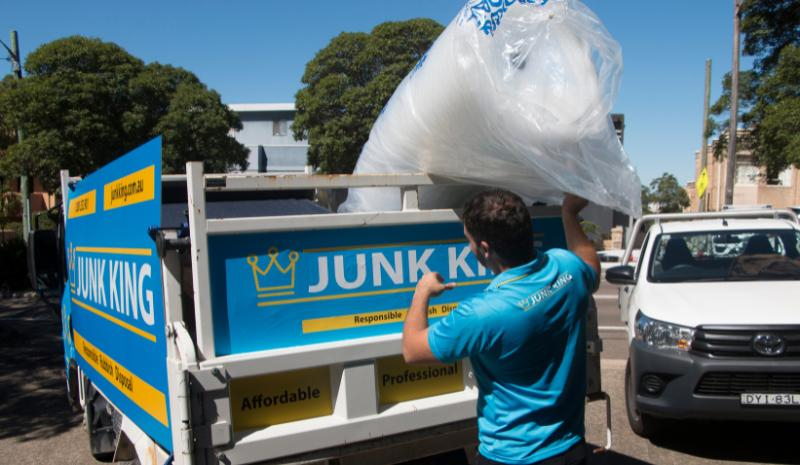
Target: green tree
{"points": [[347, 85], [647, 199], [777, 137], [769, 92], [593, 232], [666, 194], [10, 205], [85, 102]]}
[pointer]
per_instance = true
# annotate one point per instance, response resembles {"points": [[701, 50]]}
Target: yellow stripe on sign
{"points": [[148, 398], [359, 320], [129, 190], [266, 400], [116, 321], [399, 382], [83, 205], [357, 294], [116, 250]]}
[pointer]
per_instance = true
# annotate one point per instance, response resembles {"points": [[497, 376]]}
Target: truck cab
{"points": [[711, 317]]}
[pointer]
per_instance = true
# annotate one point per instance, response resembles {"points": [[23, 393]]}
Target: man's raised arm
{"points": [[577, 242]]}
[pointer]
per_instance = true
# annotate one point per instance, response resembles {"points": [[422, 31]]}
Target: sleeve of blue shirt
{"points": [[587, 272], [461, 333]]}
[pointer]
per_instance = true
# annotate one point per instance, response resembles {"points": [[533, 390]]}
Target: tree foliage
{"points": [[769, 27], [665, 194], [769, 94], [347, 85], [85, 102]]}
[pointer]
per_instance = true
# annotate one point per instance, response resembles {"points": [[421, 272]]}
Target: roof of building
{"points": [[245, 107]]}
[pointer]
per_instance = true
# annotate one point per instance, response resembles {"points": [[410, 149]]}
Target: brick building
{"points": [[751, 184]]}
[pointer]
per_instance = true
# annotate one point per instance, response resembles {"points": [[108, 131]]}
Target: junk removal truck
{"points": [[231, 319]]}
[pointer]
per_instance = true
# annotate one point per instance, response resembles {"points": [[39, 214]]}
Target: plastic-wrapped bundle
{"points": [[514, 94]]}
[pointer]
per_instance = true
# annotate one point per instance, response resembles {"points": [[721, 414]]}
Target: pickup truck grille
{"points": [[737, 341], [733, 384]]}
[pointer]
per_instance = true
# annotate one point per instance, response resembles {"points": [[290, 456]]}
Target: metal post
{"points": [[204, 324], [729, 178], [16, 68], [703, 202]]}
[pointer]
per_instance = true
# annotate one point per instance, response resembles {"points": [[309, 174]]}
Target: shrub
{"points": [[13, 265]]}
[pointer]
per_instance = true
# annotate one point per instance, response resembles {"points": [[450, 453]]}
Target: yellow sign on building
{"points": [[398, 381], [702, 183]]}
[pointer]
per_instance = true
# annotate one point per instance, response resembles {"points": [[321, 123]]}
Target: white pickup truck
{"points": [[712, 318]]}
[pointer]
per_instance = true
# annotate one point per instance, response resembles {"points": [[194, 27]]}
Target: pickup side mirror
{"points": [[621, 275]]}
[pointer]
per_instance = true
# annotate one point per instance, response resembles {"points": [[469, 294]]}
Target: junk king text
{"points": [[120, 285], [352, 270]]}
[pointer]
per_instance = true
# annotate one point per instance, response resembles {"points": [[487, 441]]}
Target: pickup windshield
{"points": [[761, 255]]}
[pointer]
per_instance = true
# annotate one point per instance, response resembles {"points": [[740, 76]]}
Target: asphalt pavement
{"points": [[37, 425]]}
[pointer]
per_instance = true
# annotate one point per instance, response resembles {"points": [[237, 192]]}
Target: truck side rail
{"points": [[663, 217], [198, 183], [357, 413]]}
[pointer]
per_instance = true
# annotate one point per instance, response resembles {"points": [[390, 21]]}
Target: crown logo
{"points": [[71, 265], [71, 257], [271, 283]]}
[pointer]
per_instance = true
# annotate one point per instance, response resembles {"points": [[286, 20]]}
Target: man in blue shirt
{"points": [[524, 335]]}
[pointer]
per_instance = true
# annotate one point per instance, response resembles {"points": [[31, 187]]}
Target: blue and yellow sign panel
{"points": [[115, 294], [287, 289]]}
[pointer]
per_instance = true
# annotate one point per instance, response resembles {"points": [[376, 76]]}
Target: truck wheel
{"points": [[641, 424], [72, 386], [100, 427]]}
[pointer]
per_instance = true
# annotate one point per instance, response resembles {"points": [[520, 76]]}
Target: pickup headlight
{"points": [[662, 335]]}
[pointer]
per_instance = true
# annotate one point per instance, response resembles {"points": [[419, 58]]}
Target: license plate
{"points": [[784, 400]]}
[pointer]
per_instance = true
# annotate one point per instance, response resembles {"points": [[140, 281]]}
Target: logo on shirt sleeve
{"points": [[545, 293]]}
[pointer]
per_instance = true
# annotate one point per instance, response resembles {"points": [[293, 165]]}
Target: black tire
{"points": [[72, 387], [100, 428], [642, 424]]}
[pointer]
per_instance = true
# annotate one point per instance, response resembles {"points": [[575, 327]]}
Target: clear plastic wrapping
{"points": [[513, 94]]}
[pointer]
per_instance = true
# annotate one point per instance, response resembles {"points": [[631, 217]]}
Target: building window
{"points": [[747, 174], [785, 178], [280, 128]]}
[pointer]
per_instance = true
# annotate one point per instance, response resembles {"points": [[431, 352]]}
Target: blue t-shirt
{"points": [[525, 337]]}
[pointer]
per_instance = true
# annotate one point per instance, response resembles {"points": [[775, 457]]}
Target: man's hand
{"points": [[572, 204], [433, 284], [416, 348]]}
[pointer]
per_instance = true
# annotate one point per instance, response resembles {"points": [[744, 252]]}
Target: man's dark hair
{"points": [[501, 218]]}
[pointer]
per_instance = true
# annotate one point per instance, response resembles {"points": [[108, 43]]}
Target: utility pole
{"points": [[16, 68], [729, 178], [703, 201]]}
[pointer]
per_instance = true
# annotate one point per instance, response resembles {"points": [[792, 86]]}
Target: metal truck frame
{"points": [[359, 428]]}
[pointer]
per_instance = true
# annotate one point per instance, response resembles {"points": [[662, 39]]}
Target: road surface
{"points": [[37, 425]]}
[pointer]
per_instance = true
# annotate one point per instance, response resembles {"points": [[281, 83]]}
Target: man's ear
{"points": [[484, 249]]}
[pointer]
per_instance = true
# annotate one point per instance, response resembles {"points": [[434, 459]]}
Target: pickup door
{"points": [[626, 291]]}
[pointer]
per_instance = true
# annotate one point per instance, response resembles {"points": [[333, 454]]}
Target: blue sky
{"points": [[255, 51]]}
